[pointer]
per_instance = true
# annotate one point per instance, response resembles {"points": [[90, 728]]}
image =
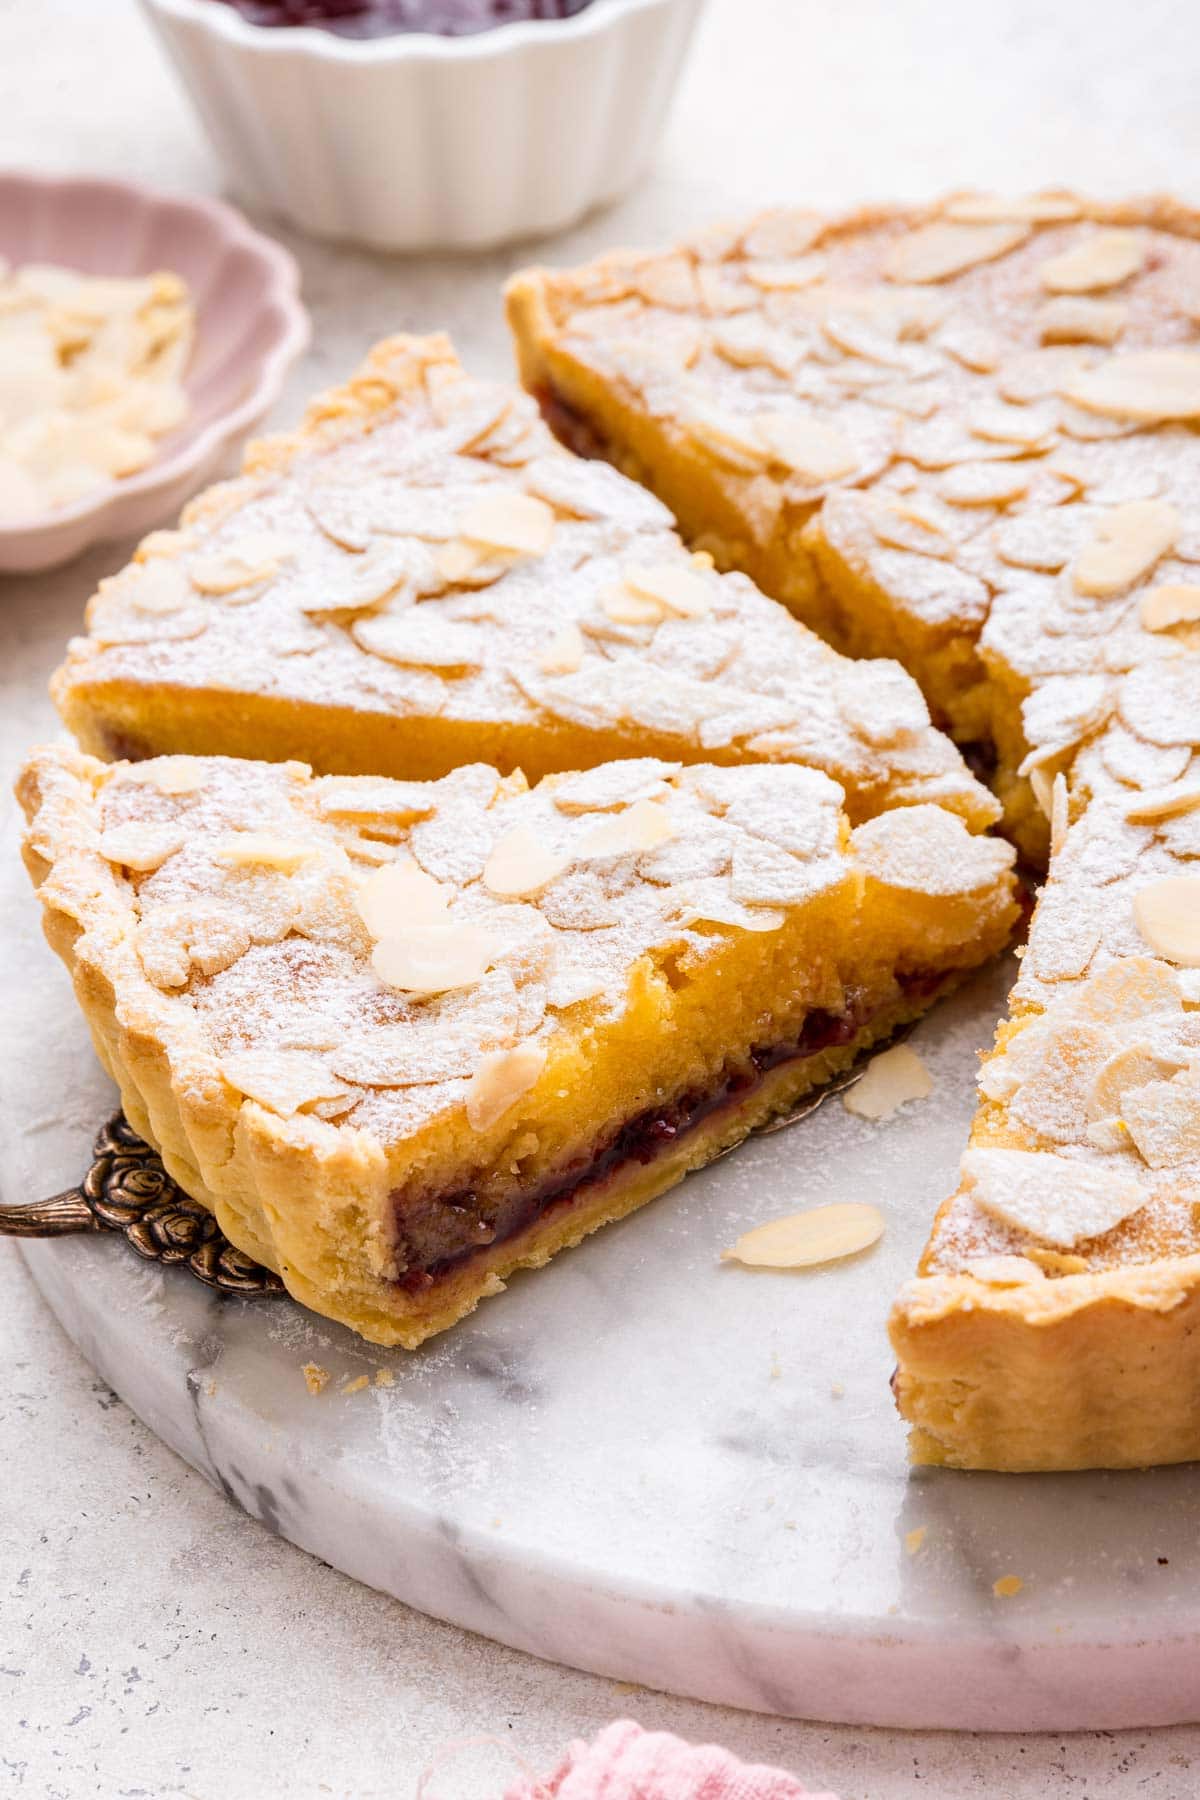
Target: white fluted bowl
{"points": [[417, 142], [250, 327]]}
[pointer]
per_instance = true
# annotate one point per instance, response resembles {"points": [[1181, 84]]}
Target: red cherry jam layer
{"points": [[390, 18]]}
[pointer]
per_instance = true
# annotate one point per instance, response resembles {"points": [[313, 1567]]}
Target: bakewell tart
{"points": [[421, 578], [407, 1037], [964, 436]]}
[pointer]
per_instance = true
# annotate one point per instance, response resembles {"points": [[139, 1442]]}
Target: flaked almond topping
{"points": [[284, 1081], [642, 826], [455, 561], [261, 849], [1129, 541], [1057, 1262], [1168, 917], [520, 865], [624, 607], [433, 959], [399, 896], [675, 588], [811, 448], [1024, 209], [1172, 603], [730, 437], [890, 1079], [805, 1239], [1079, 320], [999, 422], [519, 523], [246, 562], [1004, 1271], [1101, 260], [564, 652], [502, 1077], [1164, 803], [1144, 386], [140, 847], [1128, 1068], [785, 276], [158, 587], [1060, 814], [169, 774], [419, 638], [1055, 1198], [985, 483], [937, 251]]}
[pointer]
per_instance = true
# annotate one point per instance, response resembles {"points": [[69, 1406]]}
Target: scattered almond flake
{"points": [[432, 959], [1007, 1587], [891, 1079], [730, 437], [914, 1539], [357, 1385], [1168, 916], [1102, 259], [141, 847], [810, 447], [377, 798], [157, 587], [564, 652], [521, 524], [1081, 321], [786, 276], [1108, 1135], [1164, 803], [1054, 1198], [1129, 541], [1042, 784], [984, 484], [169, 774], [398, 896], [502, 1077], [804, 1239], [1158, 702], [316, 1379], [674, 588], [520, 865], [1145, 386], [284, 1081], [417, 639], [110, 622], [1004, 1271], [711, 902], [455, 562], [242, 563], [614, 784], [1059, 815], [384, 1378], [1057, 1262], [926, 850], [1172, 603], [1131, 1067], [1163, 1119], [645, 824], [997, 421], [622, 605], [1050, 208], [936, 251], [263, 849]]}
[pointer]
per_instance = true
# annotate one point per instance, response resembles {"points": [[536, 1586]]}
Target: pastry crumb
{"points": [[357, 1385], [384, 1378], [1007, 1586], [836, 1390], [316, 1379], [914, 1539]]}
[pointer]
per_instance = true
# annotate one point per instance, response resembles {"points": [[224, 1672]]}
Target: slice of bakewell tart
{"points": [[422, 577], [1055, 1322], [405, 1038]]}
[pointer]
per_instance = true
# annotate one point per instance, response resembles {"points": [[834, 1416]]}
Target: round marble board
{"points": [[640, 1460]]}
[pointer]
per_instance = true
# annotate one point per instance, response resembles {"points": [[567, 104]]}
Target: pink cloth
{"points": [[627, 1763]]}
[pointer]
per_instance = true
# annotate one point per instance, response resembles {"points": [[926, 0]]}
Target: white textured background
{"points": [[153, 1641]]}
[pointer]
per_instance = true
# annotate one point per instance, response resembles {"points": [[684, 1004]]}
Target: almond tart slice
{"points": [[422, 577], [960, 436], [405, 1038]]}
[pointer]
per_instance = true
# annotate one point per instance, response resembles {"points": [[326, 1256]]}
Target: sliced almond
{"points": [[677, 589], [984, 483], [1166, 803], [284, 1081], [891, 1079], [811, 448], [935, 252], [1079, 320], [243, 563], [564, 653], [1129, 541], [1163, 1119], [1101, 260], [502, 1077], [624, 607], [398, 896], [142, 847], [1026, 209], [1059, 814], [641, 827], [1145, 386], [433, 959], [1131, 1067], [157, 587], [805, 1239], [785, 276], [1172, 603], [1168, 916], [455, 561], [503, 520], [1054, 1198], [169, 774], [1004, 1271], [261, 849], [731, 438], [520, 865], [1057, 1262]]}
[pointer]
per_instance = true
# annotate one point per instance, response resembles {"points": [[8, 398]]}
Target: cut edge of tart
{"points": [[405, 1038]]}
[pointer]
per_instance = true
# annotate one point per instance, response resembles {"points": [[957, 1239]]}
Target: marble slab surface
{"points": [[644, 1462]]}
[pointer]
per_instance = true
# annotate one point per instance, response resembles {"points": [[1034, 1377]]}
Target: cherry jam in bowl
{"points": [[429, 124]]}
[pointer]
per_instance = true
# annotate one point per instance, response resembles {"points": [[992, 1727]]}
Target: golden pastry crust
{"points": [[420, 577], [963, 436], [405, 1038]]}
